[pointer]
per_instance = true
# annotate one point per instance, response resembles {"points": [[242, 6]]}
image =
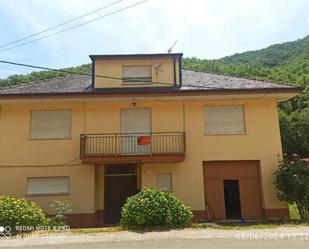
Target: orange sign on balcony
{"points": [[144, 140]]}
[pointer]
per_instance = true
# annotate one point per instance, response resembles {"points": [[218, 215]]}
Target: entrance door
{"points": [[232, 199], [120, 182], [135, 129]]}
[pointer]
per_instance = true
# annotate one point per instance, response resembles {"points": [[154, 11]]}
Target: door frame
{"points": [[136, 174]]}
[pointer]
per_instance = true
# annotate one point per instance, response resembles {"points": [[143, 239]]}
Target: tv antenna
{"points": [[171, 48], [158, 68]]}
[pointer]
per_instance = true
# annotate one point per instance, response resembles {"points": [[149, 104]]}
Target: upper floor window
{"points": [[224, 120], [50, 124], [136, 74]]}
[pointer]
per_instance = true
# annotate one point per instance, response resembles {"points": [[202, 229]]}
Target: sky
{"points": [[206, 29]]}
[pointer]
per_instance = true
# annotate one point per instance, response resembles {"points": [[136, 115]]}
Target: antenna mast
{"points": [[171, 48]]}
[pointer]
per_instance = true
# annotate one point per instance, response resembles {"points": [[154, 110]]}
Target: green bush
{"points": [[21, 212], [60, 209], [152, 207], [292, 183]]}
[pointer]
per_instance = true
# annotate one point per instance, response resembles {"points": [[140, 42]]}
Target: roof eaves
{"points": [[134, 56], [145, 92]]}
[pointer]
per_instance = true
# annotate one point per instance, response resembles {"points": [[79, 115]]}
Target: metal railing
{"points": [[120, 144]]}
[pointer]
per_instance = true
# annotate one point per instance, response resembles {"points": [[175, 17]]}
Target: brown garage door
{"points": [[232, 185]]}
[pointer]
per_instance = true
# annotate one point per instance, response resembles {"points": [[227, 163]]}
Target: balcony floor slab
{"points": [[157, 158]]}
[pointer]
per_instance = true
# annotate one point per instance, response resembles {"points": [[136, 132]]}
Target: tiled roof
{"points": [[191, 81], [74, 83], [216, 81]]}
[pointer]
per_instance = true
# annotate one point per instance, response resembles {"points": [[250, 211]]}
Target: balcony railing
{"points": [[132, 144]]}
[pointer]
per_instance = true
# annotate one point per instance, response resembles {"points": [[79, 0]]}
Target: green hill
{"points": [[284, 63], [272, 56], [41, 75]]}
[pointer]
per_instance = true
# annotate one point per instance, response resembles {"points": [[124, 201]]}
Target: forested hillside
{"points": [[284, 63], [41, 75]]}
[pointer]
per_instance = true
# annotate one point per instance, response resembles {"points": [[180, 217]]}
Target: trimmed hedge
{"points": [[151, 207], [21, 212]]}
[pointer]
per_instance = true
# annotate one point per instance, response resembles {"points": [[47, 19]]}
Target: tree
{"points": [[294, 128]]}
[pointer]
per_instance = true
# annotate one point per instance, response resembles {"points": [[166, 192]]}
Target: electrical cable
{"points": [[73, 27], [60, 24]]}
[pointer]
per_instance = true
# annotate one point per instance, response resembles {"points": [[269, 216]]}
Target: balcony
{"points": [[132, 148]]}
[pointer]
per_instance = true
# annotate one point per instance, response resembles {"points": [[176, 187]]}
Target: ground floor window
{"points": [[164, 181], [47, 185]]}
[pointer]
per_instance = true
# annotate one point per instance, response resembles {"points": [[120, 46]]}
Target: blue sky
{"points": [[204, 28]]}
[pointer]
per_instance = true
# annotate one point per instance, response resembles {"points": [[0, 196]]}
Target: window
{"points": [[224, 120], [50, 124], [164, 181], [136, 74], [47, 185]]}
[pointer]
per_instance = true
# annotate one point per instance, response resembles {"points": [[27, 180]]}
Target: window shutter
{"points": [[164, 181], [50, 124], [224, 120], [48, 185], [136, 120], [136, 73]]}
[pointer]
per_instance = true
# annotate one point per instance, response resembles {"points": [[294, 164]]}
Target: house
{"points": [[143, 121]]}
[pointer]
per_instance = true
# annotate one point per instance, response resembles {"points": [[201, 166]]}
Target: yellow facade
{"points": [[162, 72], [21, 157]]}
